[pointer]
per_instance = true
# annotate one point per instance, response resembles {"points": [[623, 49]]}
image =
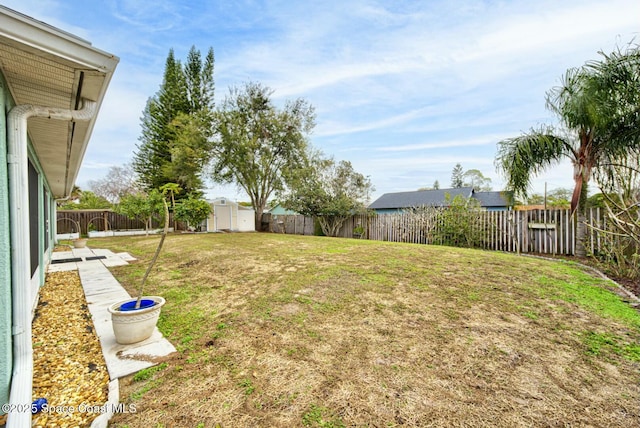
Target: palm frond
{"points": [[576, 101], [521, 158], [616, 85]]}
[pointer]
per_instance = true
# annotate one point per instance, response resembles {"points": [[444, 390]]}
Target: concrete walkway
{"points": [[101, 290]]}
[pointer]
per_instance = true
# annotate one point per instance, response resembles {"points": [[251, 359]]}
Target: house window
{"points": [[46, 218], [33, 218]]}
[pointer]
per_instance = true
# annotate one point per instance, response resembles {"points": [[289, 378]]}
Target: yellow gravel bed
{"points": [[69, 369]]}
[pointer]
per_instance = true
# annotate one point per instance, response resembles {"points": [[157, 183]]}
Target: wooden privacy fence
{"points": [[534, 231], [290, 224], [100, 220]]}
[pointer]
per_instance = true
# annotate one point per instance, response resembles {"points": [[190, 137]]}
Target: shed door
{"points": [[223, 217]]}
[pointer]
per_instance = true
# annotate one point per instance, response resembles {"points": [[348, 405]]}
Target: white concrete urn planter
{"points": [[135, 325], [80, 243]]}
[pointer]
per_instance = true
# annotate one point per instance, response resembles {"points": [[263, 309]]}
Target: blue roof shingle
{"points": [[432, 198], [438, 198]]}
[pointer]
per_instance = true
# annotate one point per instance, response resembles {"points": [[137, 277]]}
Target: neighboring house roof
{"points": [[280, 210], [433, 198], [494, 199], [438, 198], [45, 66]]}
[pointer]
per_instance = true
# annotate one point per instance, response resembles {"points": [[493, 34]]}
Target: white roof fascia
{"points": [[60, 44]]}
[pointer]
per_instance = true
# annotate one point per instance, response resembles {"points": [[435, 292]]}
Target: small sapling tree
{"points": [[142, 206], [192, 211]]}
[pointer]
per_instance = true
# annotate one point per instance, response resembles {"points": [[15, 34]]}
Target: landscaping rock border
{"points": [[69, 368]]}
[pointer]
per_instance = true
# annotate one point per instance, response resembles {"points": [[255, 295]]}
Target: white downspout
{"points": [[17, 159]]}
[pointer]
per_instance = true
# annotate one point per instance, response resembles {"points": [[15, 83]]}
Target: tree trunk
{"points": [[581, 234], [581, 226], [331, 224], [173, 210], [155, 255], [258, 219]]}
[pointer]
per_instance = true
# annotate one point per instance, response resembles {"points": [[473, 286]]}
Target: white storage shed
{"points": [[231, 216]]}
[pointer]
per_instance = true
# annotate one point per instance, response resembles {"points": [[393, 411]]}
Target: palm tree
{"points": [[76, 194], [599, 114]]}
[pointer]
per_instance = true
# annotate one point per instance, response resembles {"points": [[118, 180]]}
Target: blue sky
{"points": [[402, 89]]}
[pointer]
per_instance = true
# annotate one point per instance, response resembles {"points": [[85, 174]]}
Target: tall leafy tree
{"points": [[167, 130], [190, 150], [535, 199], [119, 181], [599, 122], [142, 206], [257, 145], [559, 197], [476, 179], [88, 201], [329, 191]]}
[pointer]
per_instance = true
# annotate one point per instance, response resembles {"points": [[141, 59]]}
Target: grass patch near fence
{"points": [[281, 330]]}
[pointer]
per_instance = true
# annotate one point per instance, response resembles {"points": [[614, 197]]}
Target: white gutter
{"points": [[17, 160], [36, 34]]}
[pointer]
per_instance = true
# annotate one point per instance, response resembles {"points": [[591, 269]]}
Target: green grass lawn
{"points": [[281, 330]]}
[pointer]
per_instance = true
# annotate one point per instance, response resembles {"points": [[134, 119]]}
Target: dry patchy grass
{"points": [[286, 331]]}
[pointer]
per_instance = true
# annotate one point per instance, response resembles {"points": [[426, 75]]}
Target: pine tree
{"points": [[189, 91], [199, 80], [457, 176]]}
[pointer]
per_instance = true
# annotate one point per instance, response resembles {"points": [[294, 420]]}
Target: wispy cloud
{"points": [[478, 141], [150, 16]]}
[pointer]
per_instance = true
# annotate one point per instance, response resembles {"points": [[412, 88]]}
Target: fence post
{"points": [[600, 226]]}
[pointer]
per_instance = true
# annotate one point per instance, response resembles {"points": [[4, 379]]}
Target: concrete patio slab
{"points": [[59, 255], [103, 252], [126, 256], [83, 252], [106, 258], [129, 359], [62, 267], [114, 261]]}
